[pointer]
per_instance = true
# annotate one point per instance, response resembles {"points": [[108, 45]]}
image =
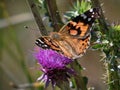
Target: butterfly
{"points": [[73, 39]]}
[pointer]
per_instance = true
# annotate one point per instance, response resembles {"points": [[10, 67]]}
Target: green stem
{"points": [[37, 17], [64, 85], [54, 14], [1, 78], [79, 80]]}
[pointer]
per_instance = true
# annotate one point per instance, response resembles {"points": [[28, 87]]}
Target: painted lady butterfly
{"points": [[74, 38]]}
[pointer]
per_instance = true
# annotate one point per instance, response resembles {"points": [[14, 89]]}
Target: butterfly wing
{"points": [[75, 48], [77, 33], [74, 38], [47, 42], [80, 26]]}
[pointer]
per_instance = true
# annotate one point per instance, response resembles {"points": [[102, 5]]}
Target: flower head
{"points": [[53, 66]]}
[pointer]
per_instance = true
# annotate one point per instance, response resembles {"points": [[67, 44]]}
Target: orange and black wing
{"points": [[74, 38], [47, 43], [80, 26]]}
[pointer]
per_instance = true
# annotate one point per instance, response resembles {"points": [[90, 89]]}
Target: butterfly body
{"points": [[74, 38]]}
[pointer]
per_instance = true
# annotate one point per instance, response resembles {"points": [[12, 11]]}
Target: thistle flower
{"points": [[53, 66]]}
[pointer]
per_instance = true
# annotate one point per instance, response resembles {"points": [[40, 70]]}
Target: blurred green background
{"points": [[17, 43]]}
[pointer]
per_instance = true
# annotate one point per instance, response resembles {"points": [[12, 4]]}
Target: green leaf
{"points": [[97, 46]]}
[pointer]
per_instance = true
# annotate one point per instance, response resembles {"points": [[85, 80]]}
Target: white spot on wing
{"points": [[84, 16], [91, 10], [36, 42], [93, 13], [92, 16], [45, 46], [40, 41], [89, 19]]}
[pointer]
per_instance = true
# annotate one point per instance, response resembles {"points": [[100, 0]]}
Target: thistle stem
{"points": [[64, 86], [54, 14], [37, 17], [79, 80]]}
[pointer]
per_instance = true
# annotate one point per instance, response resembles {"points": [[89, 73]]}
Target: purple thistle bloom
{"points": [[54, 66]]}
